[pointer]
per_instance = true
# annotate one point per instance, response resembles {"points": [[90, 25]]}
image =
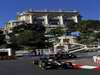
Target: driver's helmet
{"points": [[50, 60]]}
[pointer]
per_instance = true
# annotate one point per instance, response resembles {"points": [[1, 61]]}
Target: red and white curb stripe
{"points": [[78, 66]]}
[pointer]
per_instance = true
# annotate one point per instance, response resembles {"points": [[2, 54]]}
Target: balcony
{"points": [[53, 26]]}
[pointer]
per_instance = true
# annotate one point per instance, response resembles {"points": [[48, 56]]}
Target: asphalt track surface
{"points": [[24, 66]]}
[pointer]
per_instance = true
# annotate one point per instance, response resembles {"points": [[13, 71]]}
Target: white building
{"points": [[49, 18]]}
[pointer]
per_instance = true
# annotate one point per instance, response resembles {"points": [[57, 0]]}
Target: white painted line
{"points": [[88, 67]]}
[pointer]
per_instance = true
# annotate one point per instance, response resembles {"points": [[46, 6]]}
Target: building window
{"points": [[67, 21], [38, 20], [53, 21]]}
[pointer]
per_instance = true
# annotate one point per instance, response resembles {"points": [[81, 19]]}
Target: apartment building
{"points": [[49, 18]]}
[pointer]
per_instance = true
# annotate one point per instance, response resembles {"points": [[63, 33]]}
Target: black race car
{"points": [[54, 64], [58, 56], [54, 61]]}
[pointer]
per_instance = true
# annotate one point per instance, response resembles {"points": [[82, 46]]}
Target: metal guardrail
{"points": [[21, 53]]}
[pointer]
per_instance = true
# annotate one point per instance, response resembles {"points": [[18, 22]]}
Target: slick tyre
{"points": [[41, 65]]}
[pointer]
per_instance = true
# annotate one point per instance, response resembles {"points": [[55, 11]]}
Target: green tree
{"points": [[2, 38], [28, 35], [57, 31], [88, 25], [87, 29]]}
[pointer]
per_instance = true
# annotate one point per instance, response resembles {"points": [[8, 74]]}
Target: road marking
{"points": [[87, 67]]}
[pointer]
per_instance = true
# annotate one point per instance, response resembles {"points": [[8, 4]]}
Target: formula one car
{"points": [[54, 64], [57, 57]]}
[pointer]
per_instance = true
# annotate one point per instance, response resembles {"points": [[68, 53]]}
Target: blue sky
{"points": [[89, 9]]}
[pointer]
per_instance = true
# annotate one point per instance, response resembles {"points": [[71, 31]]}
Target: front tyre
{"points": [[41, 65]]}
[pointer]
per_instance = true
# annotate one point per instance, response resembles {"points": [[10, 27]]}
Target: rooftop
{"points": [[47, 11]]}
